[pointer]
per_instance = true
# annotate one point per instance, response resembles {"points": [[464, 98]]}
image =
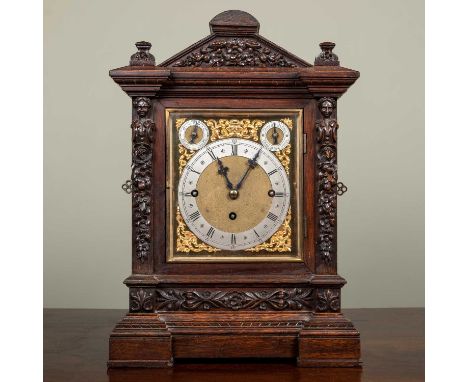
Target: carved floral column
{"points": [[143, 130], [326, 134], [326, 171], [142, 174]]}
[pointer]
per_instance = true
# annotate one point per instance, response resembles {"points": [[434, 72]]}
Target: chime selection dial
{"points": [[275, 135]]}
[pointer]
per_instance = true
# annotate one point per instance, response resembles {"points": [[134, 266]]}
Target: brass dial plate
{"points": [[250, 207]]}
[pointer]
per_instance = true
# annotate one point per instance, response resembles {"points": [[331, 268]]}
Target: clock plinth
{"points": [[156, 340], [234, 204]]}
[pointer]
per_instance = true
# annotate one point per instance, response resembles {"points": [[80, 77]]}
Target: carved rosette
{"points": [[142, 173], [246, 52], [326, 149], [141, 300], [328, 300], [191, 300]]}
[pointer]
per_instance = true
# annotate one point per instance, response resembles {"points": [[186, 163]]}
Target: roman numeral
{"points": [[272, 217], [211, 154], [279, 194], [233, 239], [272, 172], [187, 194], [194, 216], [210, 232], [191, 169], [256, 233]]}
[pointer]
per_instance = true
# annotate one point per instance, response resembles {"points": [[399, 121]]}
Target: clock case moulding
{"points": [[232, 310]]}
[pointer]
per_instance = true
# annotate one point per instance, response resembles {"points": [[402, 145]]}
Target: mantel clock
{"points": [[234, 203]]}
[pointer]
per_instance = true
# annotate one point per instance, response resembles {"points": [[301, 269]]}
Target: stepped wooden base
{"points": [[155, 340]]}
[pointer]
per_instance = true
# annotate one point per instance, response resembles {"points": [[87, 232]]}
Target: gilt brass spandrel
{"points": [[179, 122], [184, 156], [284, 156], [186, 241], [239, 128], [280, 241]]}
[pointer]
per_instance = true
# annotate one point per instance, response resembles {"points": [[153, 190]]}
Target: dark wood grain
{"points": [[76, 349]]}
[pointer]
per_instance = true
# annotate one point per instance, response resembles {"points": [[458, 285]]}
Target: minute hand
{"points": [[252, 163]]}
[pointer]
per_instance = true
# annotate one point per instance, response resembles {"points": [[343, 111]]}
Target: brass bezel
{"points": [[171, 204]]}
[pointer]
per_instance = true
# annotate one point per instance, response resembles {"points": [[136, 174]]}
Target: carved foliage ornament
{"points": [[280, 299], [141, 300], [235, 52], [328, 300], [326, 132], [142, 172]]}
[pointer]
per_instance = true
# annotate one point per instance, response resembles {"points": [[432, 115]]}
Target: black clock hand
{"points": [[252, 163], [223, 171], [275, 135], [194, 134]]}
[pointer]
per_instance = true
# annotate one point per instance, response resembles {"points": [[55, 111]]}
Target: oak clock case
{"points": [[234, 186]]}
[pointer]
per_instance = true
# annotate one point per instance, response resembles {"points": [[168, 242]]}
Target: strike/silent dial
{"points": [[194, 134], [275, 135]]}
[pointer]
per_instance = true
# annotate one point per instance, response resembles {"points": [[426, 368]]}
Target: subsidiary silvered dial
{"points": [[193, 134], [275, 135], [234, 194]]}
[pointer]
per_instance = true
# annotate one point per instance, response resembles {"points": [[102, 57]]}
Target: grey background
{"points": [[87, 136]]}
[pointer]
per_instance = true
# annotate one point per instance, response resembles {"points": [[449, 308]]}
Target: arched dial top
{"points": [[234, 194]]}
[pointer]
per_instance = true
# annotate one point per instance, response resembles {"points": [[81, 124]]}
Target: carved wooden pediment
{"points": [[234, 42]]}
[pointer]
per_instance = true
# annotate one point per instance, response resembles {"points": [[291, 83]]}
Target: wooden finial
{"points": [[234, 22], [327, 57], [143, 57]]}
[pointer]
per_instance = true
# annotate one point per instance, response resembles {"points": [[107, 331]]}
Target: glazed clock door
{"points": [[235, 185]]}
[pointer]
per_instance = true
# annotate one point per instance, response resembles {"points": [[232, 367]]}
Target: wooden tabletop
{"points": [[76, 345]]}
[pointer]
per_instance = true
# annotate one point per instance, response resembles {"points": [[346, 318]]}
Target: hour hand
{"points": [[222, 170], [194, 134], [275, 135]]}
